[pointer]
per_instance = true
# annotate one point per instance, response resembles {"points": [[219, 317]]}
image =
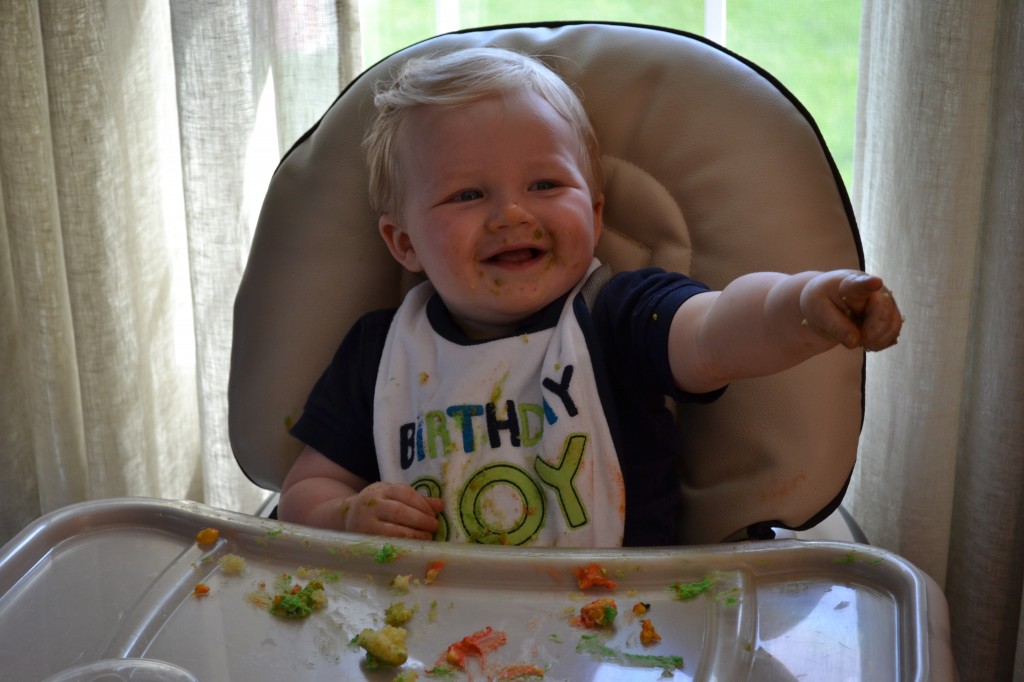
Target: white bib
{"points": [[511, 433]]}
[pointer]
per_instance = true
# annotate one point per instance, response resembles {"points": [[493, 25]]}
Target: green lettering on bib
{"points": [[437, 429], [473, 511], [561, 479], [531, 424]]}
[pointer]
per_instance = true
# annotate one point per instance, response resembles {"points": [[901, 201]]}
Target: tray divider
{"points": [[139, 626]]}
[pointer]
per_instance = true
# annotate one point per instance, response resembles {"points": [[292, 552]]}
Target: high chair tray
{"points": [[114, 583]]}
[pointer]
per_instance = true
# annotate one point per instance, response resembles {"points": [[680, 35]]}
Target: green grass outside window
{"points": [[810, 45]]}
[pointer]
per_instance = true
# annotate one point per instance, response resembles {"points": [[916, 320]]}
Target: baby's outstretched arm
{"points": [[318, 492], [766, 322]]}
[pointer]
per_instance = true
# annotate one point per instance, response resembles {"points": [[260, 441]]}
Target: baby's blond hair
{"points": [[458, 78]]}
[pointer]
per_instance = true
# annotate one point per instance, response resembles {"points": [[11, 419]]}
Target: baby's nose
{"points": [[512, 213]]}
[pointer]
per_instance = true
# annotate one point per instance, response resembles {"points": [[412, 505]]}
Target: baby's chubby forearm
{"points": [[767, 322], [316, 501], [317, 492]]}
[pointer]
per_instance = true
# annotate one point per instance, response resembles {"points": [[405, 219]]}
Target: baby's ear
{"points": [[398, 243]]}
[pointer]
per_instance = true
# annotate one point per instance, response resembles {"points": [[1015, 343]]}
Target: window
{"points": [[809, 45]]}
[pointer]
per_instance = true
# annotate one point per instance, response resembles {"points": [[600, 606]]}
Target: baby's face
{"points": [[496, 209]]}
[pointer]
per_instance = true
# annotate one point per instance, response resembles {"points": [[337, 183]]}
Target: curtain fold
{"points": [[218, 95], [939, 171], [136, 144], [36, 333]]}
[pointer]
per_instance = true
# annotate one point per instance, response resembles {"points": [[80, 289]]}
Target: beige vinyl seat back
{"points": [[713, 169]]}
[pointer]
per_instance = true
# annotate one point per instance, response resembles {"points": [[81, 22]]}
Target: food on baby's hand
{"points": [[385, 646], [599, 613], [593, 575]]}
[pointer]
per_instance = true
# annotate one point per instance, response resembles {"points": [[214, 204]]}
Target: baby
{"points": [[517, 396]]}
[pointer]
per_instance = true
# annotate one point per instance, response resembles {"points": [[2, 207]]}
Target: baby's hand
{"points": [[852, 308], [392, 509]]}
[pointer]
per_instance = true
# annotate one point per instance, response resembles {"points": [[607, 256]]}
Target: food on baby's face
{"points": [[385, 646], [592, 575], [599, 613], [207, 536]]}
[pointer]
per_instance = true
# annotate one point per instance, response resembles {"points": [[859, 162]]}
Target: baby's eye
{"points": [[467, 195], [542, 185]]}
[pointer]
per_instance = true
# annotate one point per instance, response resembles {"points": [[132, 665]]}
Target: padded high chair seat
{"points": [[713, 169]]}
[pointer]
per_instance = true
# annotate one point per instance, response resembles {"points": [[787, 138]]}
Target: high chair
{"points": [[713, 169]]}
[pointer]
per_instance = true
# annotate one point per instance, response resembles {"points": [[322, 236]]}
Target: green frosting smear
{"points": [[686, 591], [386, 555], [593, 646]]}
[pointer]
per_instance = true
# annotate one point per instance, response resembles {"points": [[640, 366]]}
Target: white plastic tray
{"points": [[114, 580]]}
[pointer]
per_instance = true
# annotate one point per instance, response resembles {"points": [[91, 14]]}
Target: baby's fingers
{"points": [[420, 512], [400, 520], [851, 308], [393, 509], [856, 289], [833, 325], [881, 321]]}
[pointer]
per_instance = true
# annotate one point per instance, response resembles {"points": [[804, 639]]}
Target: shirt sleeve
{"points": [[635, 309], [337, 419]]}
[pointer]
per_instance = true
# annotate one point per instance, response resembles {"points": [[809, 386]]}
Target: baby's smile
{"points": [[516, 256]]}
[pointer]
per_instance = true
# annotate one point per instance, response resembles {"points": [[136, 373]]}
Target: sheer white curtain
{"points": [[133, 157], [939, 191]]}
